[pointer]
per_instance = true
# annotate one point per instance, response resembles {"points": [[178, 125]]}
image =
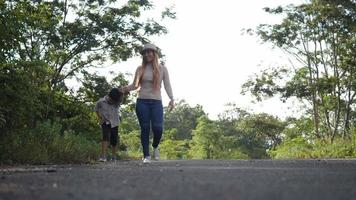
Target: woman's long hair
{"points": [[156, 72]]}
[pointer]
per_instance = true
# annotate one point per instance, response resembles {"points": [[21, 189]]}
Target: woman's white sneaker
{"points": [[146, 160], [102, 159], [156, 154]]}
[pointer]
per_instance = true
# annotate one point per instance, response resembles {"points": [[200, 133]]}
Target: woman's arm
{"points": [[167, 83], [168, 87], [132, 86]]}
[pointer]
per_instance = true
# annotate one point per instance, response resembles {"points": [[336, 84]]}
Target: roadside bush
{"points": [[46, 145], [299, 147], [132, 144], [173, 149], [296, 148]]}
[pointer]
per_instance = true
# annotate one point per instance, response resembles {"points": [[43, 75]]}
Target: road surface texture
{"points": [[193, 179]]}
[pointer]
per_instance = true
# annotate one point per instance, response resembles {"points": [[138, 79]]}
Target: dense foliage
{"points": [[45, 43]]}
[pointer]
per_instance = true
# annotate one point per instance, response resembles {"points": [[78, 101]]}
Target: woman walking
{"points": [[149, 109]]}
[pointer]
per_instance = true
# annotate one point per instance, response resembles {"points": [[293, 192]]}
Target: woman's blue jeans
{"points": [[150, 115]]}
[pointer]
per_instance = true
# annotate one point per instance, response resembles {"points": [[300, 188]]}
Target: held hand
{"points": [[171, 105], [121, 89]]}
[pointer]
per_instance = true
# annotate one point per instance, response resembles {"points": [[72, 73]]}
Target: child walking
{"points": [[107, 111]]}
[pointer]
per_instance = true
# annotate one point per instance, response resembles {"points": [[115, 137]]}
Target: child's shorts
{"points": [[110, 133]]}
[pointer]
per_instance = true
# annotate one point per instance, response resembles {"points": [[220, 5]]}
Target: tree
{"points": [[229, 119], [209, 142], [43, 43], [320, 35], [259, 133], [20, 102], [46, 42], [183, 118], [95, 87], [205, 139], [71, 35]]}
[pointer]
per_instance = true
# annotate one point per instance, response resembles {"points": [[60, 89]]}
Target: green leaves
{"points": [[54, 41], [70, 36], [183, 118], [266, 84], [44, 43], [168, 13], [317, 35]]}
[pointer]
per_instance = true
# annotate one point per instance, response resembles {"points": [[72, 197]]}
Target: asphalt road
{"points": [[195, 179]]}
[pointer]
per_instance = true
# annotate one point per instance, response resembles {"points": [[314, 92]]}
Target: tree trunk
{"points": [[337, 90], [312, 89]]}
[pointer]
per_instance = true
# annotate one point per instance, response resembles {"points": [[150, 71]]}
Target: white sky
{"points": [[209, 59]]}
